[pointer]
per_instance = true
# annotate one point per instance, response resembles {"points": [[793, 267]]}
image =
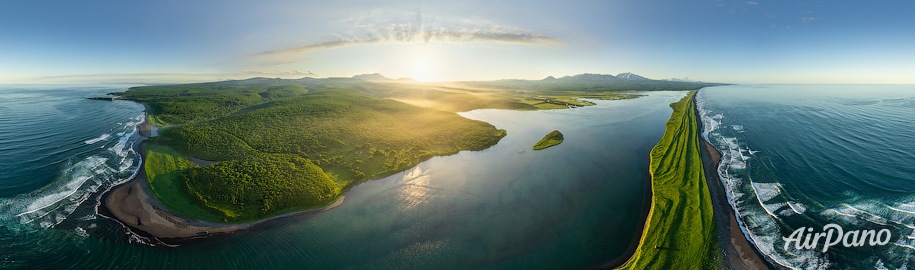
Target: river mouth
{"points": [[575, 205]]}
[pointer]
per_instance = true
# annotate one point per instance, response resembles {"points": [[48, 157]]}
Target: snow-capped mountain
{"points": [[590, 77], [631, 76]]}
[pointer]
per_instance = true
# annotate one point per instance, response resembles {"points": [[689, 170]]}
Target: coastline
{"points": [[636, 237], [133, 205], [680, 231], [739, 253]]}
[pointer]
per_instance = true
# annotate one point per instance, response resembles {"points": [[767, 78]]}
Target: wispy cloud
{"points": [[316, 46], [808, 19], [407, 33], [752, 3], [166, 77]]}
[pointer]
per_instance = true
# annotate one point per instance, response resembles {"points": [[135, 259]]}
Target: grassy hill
{"points": [[282, 147]]}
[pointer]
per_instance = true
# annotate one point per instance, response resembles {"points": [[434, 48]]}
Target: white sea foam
{"points": [[98, 139], [797, 207], [55, 202], [763, 219], [901, 208], [121, 148], [81, 232], [68, 189], [766, 191], [125, 164]]}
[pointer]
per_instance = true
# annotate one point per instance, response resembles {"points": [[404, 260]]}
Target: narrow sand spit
{"points": [[738, 252]]}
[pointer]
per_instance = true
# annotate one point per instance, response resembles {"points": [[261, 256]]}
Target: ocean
{"points": [[575, 205], [805, 156], [794, 156]]}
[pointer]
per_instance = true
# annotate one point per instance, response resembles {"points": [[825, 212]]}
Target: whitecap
{"points": [[766, 191], [53, 204], [797, 207], [98, 139], [879, 265], [125, 164], [901, 210], [81, 232]]}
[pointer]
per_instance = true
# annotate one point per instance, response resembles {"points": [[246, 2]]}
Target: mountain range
{"points": [[584, 77]]}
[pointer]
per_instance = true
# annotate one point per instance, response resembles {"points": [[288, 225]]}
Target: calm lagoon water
{"points": [[576, 205], [810, 155]]}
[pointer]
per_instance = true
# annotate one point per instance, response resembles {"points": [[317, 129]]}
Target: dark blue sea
{"points": [[795, 156], [804, 156]]}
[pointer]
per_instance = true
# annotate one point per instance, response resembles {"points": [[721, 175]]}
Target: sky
{"points": [[165, 41]]}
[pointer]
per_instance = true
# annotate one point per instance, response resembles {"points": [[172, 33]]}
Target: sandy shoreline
{"points": [[738, 252], [133, 205]]}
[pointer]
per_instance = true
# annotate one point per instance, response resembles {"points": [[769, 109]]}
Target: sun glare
{"points": [[421, 72]]}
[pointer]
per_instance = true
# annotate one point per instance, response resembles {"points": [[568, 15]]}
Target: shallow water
{"points": [[576, 205], [806, 156]]}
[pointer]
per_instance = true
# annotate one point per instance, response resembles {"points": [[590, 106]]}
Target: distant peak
{"points": [[631, 76], [549, 78], [371, 77], [589, 77]]}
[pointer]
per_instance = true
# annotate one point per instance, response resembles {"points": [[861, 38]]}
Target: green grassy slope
{"points": [[164, 168], [551, 139], [680, 232], [282, 148]]}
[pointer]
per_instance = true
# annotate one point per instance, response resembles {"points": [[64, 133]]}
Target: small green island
{"points": [[551, 139]]}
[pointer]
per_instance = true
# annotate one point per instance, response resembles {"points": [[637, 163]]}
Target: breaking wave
{"points": [[740, 189], [764, 206], [79, 180], [99, 138]]}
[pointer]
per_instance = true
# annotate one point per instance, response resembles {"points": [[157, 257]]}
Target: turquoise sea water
{"points": [[809, 155], [576, 205]]}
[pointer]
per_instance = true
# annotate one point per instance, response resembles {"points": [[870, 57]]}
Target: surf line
{"points": [[833, 234]]}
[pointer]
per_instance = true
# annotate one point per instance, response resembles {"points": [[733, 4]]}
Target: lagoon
{"points": [[576, 205]]}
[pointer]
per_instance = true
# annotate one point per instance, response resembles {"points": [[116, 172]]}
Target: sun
{"points": [[422, 73]]}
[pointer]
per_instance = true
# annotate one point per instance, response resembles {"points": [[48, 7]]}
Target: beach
{"points": [[133, 205], [738, 252]]}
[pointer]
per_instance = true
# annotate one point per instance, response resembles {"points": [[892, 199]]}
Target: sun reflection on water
{"points": [[416, 188]]}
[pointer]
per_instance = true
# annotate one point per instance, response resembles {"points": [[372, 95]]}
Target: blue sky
{"points": [[45, 41]]}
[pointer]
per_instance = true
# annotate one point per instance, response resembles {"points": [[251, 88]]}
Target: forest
{"points": [[288, 145], [280, 146]]}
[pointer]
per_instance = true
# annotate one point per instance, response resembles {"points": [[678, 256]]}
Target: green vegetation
{"points": [[164, 167], [289, 145], [680, 232], [591, 86], [282, 148], [551, 139], [258, 186]]}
